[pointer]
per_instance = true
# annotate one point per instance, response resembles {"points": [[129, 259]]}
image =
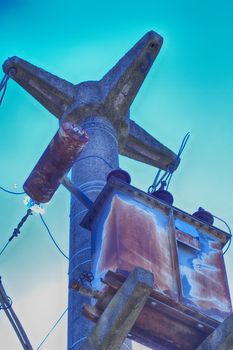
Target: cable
{"points": [[3, 93], [3, 86], [229, 244], [51, 236], [229, 229], [16, 231], [8, 306], [51, 330], [5, 301], [167, 176], [5, 246], [182, 147], [3, 81], [11, 192]]}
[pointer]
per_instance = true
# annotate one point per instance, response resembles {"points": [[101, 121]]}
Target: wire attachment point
{"points": [[34, 206], [167, 176]]}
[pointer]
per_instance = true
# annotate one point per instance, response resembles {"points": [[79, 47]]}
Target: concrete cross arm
{"points": [[143, 147], [121, 84], [111, 97], [54, 93]]}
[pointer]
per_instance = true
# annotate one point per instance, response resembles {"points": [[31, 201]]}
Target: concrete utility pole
{"points": [[102, 109]]}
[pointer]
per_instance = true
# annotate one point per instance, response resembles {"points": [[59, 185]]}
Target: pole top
{"points": [[110, 97]]}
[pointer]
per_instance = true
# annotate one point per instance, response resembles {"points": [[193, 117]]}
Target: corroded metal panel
{"points": [[135, 235], [203, 277], [190, 296], [161, 325], [55, 162]]}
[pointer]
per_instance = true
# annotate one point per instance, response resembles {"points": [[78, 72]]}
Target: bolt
{"points": [[153, 303], [12, 71], [200, 325]]}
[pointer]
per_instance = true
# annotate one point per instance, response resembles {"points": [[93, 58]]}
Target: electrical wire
{"points": [[52, 238], [228, 246], [3, 86], [229, 229], [11, 192], [5, 246], [52, 329], [5, 301], [16, 231], [3, 81], [167, 176], [182, 147], [8, 306]]}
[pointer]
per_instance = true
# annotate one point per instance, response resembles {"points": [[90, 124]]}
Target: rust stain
{"points": [[55, 162], [207, 281], [188, 239], [187, 262], [160, 328], [134, 236]]}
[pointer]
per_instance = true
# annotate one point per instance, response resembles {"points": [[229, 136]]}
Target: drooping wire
{"points": [[229, 229], [3, 86], [228, 246], [16, 231], [4, 79], [5, 246], [167, 176], [52, 329], [8, 306], [52, 238], [158, 181], [7, 301], [182, 147], [11, 192]]}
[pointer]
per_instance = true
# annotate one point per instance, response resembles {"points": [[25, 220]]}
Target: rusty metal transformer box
{"points": [[191, 297]]}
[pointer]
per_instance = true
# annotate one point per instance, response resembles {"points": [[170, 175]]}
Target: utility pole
{"points": [[102, 109]]}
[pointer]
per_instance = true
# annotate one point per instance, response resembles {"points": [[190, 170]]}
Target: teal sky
{"points": [[189, 88]]}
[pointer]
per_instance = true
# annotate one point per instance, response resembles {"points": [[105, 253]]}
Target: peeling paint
{"points": [[191, 296], [134, 236]]}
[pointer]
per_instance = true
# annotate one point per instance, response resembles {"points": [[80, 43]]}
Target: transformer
{"points": [[191, 296]]}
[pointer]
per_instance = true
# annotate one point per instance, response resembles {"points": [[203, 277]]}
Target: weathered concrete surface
{"points": [[110, 97], [121, 313], [89, 173], [221, 338], [102, 109]]}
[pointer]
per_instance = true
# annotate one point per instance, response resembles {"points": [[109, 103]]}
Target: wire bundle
{"points": [[167, 176]]}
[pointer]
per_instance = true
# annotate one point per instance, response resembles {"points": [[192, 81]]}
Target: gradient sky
{"points": [[189, 88]]}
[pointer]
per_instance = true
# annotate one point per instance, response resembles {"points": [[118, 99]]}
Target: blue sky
{"points": [[189, 88]]}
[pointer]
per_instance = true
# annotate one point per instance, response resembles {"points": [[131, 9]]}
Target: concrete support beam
{"points": [[120, 315], [221, 338]]}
